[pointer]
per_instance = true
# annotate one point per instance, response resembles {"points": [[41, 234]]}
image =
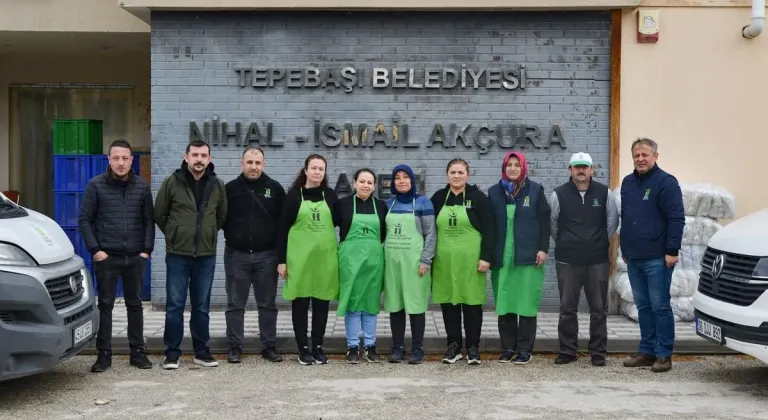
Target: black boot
{"points": [[103, 362], [139, 359]]}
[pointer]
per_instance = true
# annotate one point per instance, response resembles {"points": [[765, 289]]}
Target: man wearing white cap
{"points": [[584, 217]]}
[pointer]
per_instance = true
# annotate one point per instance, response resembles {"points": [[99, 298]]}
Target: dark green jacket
{"points": [[190, 217]]}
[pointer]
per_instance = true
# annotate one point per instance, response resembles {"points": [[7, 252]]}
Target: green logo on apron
{"points": [[315, 215]]}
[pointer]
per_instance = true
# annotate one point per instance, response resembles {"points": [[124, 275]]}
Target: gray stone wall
{"points": [[198, 62]]}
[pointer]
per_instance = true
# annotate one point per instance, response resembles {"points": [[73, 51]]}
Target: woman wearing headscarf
{"points": [[360, 218], [465, 245], [308, 256], [522, 231], [408, 252]]}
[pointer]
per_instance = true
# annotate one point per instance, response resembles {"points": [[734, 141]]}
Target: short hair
{"points": [[367, 170], [120, 143], [645, 141], [197, 143], [252, 149]]}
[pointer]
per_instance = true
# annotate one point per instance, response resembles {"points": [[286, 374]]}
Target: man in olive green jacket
{"points": [[190, 208]]}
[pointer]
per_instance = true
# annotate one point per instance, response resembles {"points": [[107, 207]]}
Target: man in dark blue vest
{"points": [[652, 222], [584, 217]]}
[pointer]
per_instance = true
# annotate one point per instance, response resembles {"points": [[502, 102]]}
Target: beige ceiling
{"points": [[28, 42]]}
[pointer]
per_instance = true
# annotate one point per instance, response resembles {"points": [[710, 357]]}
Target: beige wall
{"points": [[702, 93], [68, 16], [122, 67]]}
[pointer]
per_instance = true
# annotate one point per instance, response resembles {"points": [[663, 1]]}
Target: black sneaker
{"points": [[417, 356], [473, 356], [270, 353], [523, 358], [205, 360], [171, 362], [139, 359], [305, 356], [103, 362], [507, 356], [353, 355], [371, 355], [319, 355], [564, 359], [452, 354], [234, 355], [397, 354], [598, 360]]}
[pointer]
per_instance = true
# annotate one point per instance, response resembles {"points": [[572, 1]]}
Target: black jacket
{"points": [[116, 216], [344, 214], [480, 215], [253, 213], [290, 210]]}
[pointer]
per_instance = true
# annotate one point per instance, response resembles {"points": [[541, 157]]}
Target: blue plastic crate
{"points": [[77, 242], [67, 208], [71, 172], [100, 163]]}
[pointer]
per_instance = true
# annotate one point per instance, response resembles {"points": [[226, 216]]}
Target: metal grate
{"points": [[60, 289], [733, 284]]}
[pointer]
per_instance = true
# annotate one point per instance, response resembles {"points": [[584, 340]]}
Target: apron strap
{"points": [[463, 198]]}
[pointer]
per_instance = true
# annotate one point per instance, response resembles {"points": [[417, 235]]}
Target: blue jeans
{"points": [[651, 280], [195, 274], [354, 321]]}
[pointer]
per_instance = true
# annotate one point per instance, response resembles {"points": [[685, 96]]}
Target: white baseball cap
{"points": [[581, 158]]}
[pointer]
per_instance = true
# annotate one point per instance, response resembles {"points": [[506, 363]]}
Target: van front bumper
{"points": [[35, 336]]}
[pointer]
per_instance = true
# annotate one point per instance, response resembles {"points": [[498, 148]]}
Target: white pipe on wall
{"points": [[758, 20]]}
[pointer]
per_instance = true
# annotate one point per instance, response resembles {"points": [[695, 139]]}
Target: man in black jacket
{"points": [[584, 217], [250, 254], [119, 231]]}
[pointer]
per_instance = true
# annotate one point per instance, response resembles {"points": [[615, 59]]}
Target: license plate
{"points": [[709, 330], [83, 332]]}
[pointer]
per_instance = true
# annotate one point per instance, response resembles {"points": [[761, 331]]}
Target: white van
{"points": [[48, 311], [731, 303]]}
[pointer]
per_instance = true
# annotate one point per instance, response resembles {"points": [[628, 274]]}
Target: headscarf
{"points": [[514, 187], [410, 195]]}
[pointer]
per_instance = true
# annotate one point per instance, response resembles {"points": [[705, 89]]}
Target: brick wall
{"points": [[567, 72]]}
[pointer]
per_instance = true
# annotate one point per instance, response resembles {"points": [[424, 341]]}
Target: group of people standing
{"points": [[403, 250]]}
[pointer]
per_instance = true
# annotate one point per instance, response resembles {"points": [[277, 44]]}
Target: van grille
{"points": [[732, 286], [60, 289]]}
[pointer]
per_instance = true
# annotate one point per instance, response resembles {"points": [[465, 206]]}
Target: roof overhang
{"points": [[143, 8]]}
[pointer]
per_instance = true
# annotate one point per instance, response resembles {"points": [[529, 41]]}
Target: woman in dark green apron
{"points": [[408, 253], [465, 245], [307, 252], [361, 265], [522, 242]]}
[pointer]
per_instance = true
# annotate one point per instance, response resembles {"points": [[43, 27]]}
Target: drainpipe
{"points": [[758, 20]]}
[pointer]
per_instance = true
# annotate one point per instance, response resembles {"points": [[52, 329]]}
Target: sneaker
{"points": [[507, 356], [205, 360], [473, 356], [662, 364], [103, 362], [598, 360], [139, 359], [171, 362], [319, 355], [371, 355], [353, 355], [564, 359], [417, 356], [523, 358], [640, 360], [305, 356], [398, 353], [452, 354], [270, 353], [234, 355]]}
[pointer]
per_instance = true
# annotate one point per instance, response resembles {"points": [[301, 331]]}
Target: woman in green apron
{"points": [[361, 265], [408, 253], [522, 242], [307, 252], [465, 245]]}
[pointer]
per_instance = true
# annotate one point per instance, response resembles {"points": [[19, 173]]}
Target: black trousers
{"points": [[570, 280], [108, 271], [473, 323], [418, 325], [517, 332], [300, 308]]}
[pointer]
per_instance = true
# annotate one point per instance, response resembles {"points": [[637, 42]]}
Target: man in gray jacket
{"points": [[584, 217]]}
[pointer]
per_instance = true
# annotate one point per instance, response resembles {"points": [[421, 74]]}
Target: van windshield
{"points": [[9, 209]]}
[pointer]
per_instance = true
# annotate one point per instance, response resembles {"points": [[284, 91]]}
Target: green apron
{"points": [[403, 288], [311, 260], [516, 289], [456, 279], [361, 264]]}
